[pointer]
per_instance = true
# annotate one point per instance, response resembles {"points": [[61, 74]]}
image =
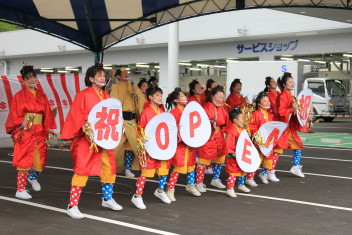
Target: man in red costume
{"points": [[88, 162], [29, 122]]}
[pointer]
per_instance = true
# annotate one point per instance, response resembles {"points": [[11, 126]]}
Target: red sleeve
{"points": [[14, 119], [177, 114], [49, 120], [231, 140], [76, 117], [253, 124], [285, 106]]}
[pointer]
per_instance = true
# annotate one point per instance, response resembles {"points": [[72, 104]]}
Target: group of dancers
{"points": [[30, 121]]}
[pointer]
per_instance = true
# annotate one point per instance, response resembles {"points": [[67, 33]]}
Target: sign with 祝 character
{"points": [[247, 155], [162, 133], [195, 127], [305, 100], [270, 132], [106, 121]]}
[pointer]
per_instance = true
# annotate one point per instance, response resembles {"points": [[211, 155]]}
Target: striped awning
{"points": [[98, 24]]}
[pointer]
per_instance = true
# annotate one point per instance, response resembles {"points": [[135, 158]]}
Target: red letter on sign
{"points": [[194, 125], [164, 126], [272, 138], [246, 152]]}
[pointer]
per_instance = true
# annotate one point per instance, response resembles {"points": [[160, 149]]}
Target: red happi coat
{"points": [[274, 102], [24, 102], [258, 118], [84, 161], [215, 146], [200, 100], [179, 158], [287, 115], [235, 100], [147, 114], [232, 135]]}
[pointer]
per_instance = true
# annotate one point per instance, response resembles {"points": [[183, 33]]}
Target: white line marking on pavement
{"points": [[326, 147], [93, 217], [330, 176], [320, 158]]}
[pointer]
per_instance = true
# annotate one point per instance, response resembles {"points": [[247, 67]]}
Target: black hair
{"points": [[91, 72], [260, 96], [192, 86], [208, 86], [26, 71], [281, 82], [118, 72], [152, 81], [233, 114], [141, 81], [170, 100], [213, 92], [267, 83], [234, 83], [152, 90]]}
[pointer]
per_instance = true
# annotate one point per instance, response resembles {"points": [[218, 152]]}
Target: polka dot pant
{"points": [[107, 190]]}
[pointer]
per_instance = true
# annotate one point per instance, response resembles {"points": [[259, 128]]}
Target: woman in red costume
{"points": [[88, 162], [273, 95], [195, 93], [288, 109], [29, 122], [262, 115], [214, 150], [184, 160], [235, 99]]}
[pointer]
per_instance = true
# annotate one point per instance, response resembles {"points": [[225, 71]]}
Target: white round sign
{"points": [[195, 126], [162, 133], [305, 98], [247, 155], [106, 121], [270, 133]]}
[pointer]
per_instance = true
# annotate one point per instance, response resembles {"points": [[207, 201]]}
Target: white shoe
{"points": [[162, 196], [23, 194], [171, 194], [201, 188], [263, 178], [297, 170], [129, 174], [111, 204], [208, 171], [243, 189], [272, 177], [192, 189], [231, 193], [35, 185], [217, 183], [138, 202], [73, 212], [251, 183]]}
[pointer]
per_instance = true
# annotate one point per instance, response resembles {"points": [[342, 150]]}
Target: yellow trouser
{"points": [[130, 136], [266, 163], [37, 164], [106, 176], [162, 170], [185, 168], [292, 142], [207, 162]]}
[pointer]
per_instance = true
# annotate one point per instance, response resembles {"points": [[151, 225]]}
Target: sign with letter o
{"points": [[162, 133], [195, 126], [106, 120], [247, 155]]}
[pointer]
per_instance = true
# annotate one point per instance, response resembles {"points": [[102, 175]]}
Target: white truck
{"points": [[329, 95]]}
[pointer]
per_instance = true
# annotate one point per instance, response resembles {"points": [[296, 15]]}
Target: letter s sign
{"points": [[284, 68]]}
